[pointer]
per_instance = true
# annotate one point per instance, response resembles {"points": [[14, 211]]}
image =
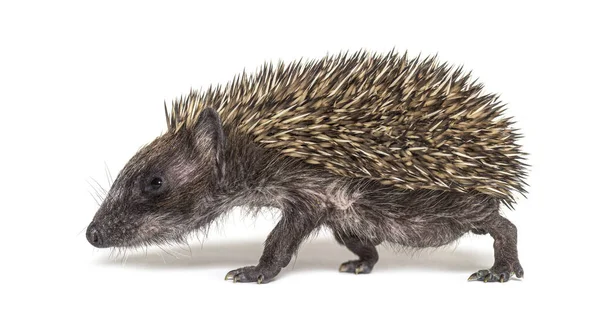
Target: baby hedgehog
{"points": [[377, 148]]}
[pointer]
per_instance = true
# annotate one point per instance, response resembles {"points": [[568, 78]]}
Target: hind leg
{"points": [[367, 254], [506, 261]]}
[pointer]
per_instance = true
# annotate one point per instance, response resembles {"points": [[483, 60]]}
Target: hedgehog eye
{"points": [[156, 183]]}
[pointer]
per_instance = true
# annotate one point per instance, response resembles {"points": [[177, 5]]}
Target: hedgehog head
{"points": [[165, 189]]}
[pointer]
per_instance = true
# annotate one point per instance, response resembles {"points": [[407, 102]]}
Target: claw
{"points": [[356, 267], [229, 276], [473, 277], [359, 269], [480, 276], [490, 276], [260, 279], [236, 279]]}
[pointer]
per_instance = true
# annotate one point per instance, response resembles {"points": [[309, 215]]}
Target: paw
{"points": [[489, 276], [356, 267], [498, 273], [251, 274]]}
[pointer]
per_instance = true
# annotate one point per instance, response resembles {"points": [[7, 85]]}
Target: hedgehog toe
{"points": [[491, 276], [356, 267], [251, 274]]}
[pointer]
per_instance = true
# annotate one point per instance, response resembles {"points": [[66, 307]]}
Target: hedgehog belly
{"points": [[416, 231], [411, 218], [419, 233]]}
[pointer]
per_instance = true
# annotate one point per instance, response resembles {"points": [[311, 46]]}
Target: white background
{"points": [[82, 84]]}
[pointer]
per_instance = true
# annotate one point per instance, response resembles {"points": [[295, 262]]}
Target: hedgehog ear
{"points": [[208, 135]]}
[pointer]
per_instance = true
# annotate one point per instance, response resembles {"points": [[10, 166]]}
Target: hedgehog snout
{"points": [[94, 236]]}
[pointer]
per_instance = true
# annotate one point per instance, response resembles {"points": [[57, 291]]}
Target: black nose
{"points": [[93, 236]]}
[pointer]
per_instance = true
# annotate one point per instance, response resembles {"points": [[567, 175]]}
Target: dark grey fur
{"points": [[208, 170]]}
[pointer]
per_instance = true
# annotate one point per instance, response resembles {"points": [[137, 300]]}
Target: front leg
{"points": [[280, 246]]}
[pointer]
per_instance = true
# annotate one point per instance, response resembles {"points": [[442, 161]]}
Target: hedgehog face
{"points": [[160, 194]]}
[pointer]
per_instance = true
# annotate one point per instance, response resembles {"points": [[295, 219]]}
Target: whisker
{"points": [[98, 195], [109, 177], [101, 188], [82, 230], [94, 197]]}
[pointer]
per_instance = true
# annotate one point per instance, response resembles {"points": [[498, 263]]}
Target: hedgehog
{"points": [[376, 148]]}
